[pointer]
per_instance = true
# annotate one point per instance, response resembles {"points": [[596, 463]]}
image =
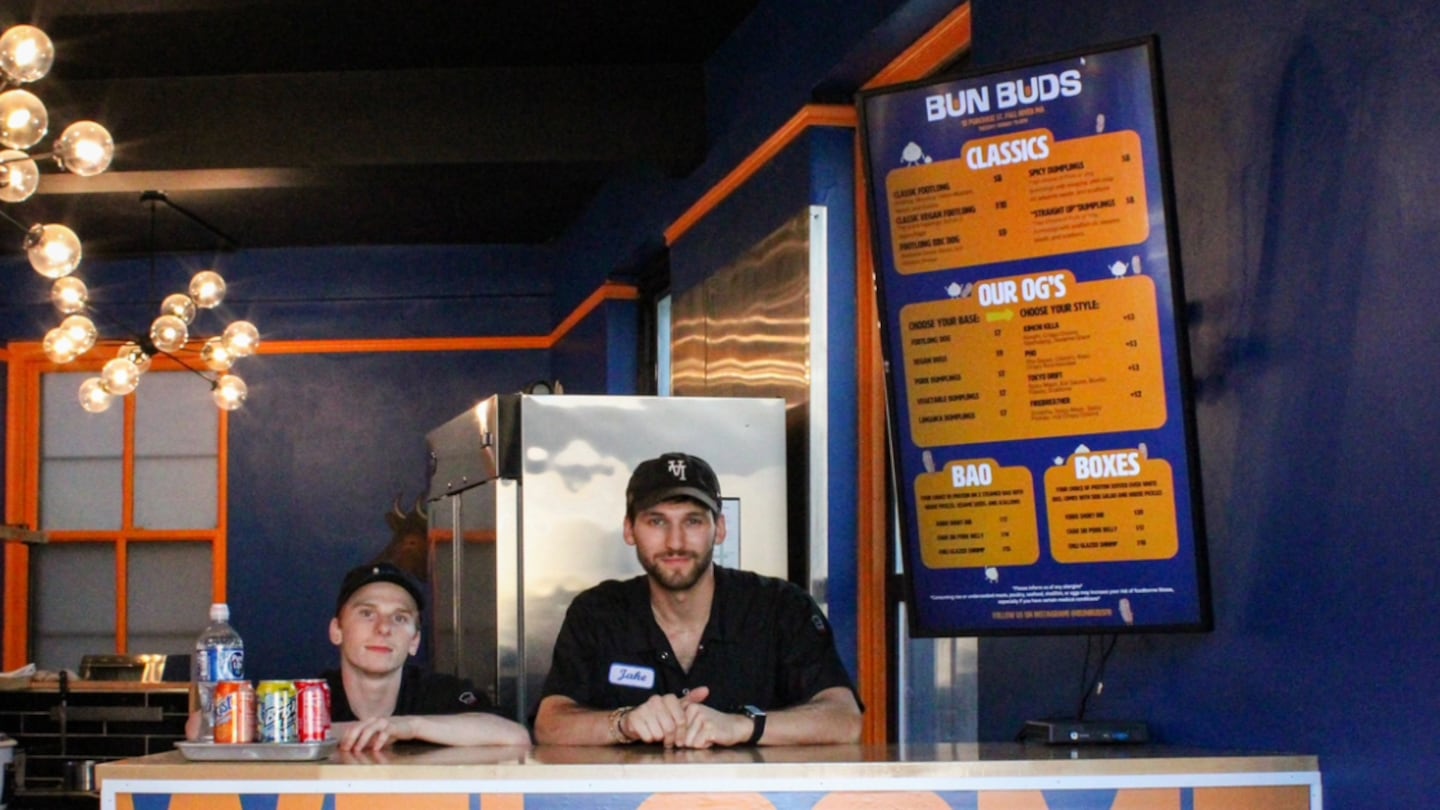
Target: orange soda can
{"points": [[234, 710]]}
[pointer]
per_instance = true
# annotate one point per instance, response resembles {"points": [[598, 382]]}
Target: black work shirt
{"points": [[766, 644], [421, 692]]}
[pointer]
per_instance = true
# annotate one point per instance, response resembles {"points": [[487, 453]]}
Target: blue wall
{"points": [[1303, 143], [321, 450]]}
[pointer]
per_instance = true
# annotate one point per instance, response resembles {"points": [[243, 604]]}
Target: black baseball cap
{"points": [[363, 575], [673, 475]]}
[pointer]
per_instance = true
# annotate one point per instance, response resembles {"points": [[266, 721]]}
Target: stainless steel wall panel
{"points": [[756, 327]]}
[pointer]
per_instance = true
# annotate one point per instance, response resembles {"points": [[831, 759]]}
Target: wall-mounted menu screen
{"points": [[1032, 319]]}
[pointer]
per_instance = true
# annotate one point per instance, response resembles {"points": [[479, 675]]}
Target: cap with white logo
{"points": [[673, 475]]}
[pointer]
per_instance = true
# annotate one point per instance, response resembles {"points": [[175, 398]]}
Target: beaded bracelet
{"points": [[616, 733]]}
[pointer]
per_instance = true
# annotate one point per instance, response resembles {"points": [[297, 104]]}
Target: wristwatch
{"points": [[757, 716]]}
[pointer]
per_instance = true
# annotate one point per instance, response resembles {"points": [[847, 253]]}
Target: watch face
{"points": [[754, 711]]}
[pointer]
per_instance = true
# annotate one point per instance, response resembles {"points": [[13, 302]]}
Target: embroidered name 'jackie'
{"points": [[630, 675]]}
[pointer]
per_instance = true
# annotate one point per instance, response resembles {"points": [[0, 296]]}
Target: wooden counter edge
{"points": [[619, 765]]}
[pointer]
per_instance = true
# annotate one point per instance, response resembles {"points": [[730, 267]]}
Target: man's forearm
{"points": [[832, 716], [474, 728], [562, 721]]}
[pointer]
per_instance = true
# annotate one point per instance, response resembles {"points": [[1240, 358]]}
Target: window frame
{"points": [[26, 367]]}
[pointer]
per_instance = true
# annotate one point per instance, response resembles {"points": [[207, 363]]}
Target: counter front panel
{"points": [[940, 777]]}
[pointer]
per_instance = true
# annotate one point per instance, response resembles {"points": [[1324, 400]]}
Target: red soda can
{"points": [[234, 709], [313, 709]]}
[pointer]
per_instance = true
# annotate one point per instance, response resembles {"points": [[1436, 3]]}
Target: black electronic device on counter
{"points": [[1084, 732]]}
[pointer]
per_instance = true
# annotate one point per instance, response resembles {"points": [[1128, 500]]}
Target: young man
{"points": [[377, 696], [692, 655]]}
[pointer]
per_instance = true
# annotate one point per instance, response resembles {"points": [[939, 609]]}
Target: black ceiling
{"points": [[355, 123]]}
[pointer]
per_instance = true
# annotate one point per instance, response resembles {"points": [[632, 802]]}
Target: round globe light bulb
{"points": [[230, 392], [242, 338], [169, 333], [85, 148], [69, 294], [81, 330], [26, 53], [19, 176], [23, 119], [179, 305], [131, 351], [120, 376], [207, 289], [93, 396], [59, 347], [54, 250], [216, 355]]}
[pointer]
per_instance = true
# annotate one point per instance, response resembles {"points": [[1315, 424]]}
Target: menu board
{"points": [[1032, 319]]}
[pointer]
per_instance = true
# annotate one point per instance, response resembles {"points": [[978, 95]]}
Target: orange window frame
{"points": [[27, 366]]}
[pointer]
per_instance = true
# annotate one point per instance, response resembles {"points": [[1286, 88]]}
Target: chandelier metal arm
{"points": [[13, 221], [152, 197]]}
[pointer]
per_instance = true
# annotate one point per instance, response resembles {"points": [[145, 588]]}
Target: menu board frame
{"points": [[1032, 320]]}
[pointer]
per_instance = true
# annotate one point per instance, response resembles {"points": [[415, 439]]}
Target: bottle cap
{"points": [[219, 612]]}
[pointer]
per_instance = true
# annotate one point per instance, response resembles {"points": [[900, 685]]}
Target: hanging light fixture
{"points": [[85, 148], [169, 334]]}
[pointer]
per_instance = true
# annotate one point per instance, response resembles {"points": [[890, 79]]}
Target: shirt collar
{"points": [[638, 598]]}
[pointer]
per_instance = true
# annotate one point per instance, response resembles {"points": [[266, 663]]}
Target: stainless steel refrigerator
{"points": [[527, 503]]}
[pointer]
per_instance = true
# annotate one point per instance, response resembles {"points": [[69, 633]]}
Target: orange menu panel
{"points": [[1112, 506], [1034, 356], [1018, 196], [977, 514]]}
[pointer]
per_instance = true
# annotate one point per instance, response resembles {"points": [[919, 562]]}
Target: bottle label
{"points": [[221, 663]]}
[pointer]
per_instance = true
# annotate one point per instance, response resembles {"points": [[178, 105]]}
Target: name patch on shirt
{"points": [[631, 675]]}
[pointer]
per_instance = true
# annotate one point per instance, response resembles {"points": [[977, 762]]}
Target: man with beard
{"points": [[692, 655]]}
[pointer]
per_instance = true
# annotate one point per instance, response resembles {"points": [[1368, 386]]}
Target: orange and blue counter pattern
{"points": [[1287, 797]]}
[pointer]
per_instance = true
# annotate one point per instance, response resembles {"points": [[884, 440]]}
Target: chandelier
{"points": [[85, 148], [169, 334]]}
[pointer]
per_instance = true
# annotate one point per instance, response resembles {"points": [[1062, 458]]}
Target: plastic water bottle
{"points": [[219, 656]]}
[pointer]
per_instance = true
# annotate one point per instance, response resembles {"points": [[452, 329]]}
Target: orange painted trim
{"points": [[812, 115], [872, 607], [127, 523], [939, 46], [17, 598], [21, 447], [380, 345], [31, 353], [122, 595], [143, 535], [609, 291]]}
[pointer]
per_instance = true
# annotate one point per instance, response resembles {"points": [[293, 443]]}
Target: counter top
{"points": [[951, 760]]}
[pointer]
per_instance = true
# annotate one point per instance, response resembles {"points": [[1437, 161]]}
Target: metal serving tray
{"points": [[257, 752]]}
